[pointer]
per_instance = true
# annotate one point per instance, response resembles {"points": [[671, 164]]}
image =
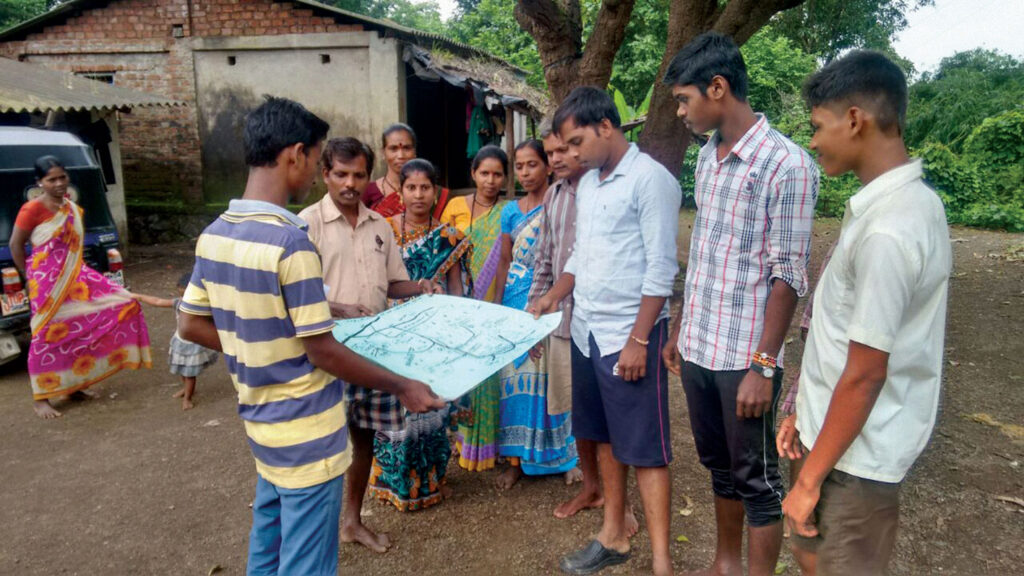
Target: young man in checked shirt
{"points": [[755, 193]]}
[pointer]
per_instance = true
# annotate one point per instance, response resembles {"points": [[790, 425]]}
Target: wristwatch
{"points": [[765, 371]]}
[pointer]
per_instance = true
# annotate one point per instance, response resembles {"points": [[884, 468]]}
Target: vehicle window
{"points": [[24, 157]]}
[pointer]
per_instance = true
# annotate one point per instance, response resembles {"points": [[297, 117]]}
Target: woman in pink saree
{"points": [[85, 328]]}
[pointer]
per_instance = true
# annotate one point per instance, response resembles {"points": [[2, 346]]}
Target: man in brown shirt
{"points": [[362, 267]]}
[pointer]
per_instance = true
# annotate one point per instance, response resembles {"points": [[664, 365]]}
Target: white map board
{"points": [[448, 342]]}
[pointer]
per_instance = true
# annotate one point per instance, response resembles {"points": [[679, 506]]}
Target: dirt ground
{"points": [[130, 484]]}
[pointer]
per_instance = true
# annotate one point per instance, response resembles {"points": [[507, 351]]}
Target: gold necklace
{"points": [[472, 209]]}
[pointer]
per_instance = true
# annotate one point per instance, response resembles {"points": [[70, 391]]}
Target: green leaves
{"points": [[491, 26], [16, 11], [948, 104]]}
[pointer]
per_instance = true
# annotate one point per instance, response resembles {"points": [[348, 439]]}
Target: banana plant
{"points": [[632, 118]]}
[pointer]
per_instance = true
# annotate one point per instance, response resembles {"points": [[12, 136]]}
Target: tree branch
{"points": [[663, 136], [604, 42], [557, 28], [551, 24], [741, 19]]}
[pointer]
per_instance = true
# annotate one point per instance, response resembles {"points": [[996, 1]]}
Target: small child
{"points": [[187, 359]]}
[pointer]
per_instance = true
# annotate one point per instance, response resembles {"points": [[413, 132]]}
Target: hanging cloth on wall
{"points": [[481, 131]]}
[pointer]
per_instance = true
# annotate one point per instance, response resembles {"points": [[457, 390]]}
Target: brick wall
{"points": [[133, 40]]}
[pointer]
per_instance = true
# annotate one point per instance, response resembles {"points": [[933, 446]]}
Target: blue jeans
{"points": [[295, 531]]}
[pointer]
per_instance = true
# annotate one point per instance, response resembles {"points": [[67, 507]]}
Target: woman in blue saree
{"points": [[532, 441]]}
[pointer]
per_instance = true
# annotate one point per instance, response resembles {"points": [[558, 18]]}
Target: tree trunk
{"points": [[664, 137], [557, 27]]}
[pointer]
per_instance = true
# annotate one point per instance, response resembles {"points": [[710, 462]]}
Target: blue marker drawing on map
{"points": [[448, 342]]}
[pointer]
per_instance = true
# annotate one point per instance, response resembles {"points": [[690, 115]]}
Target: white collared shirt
{"points": [[625, 248], [885, 288]]}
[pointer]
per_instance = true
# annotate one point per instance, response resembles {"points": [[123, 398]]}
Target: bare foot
{"points": [[508, 478], [360, 534], [573, 476], [585, 499], [446, 492], [44, 410], [186, 404], [632, 526], [663, 567]]}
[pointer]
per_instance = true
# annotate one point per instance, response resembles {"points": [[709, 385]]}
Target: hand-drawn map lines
{"points": [[407, 337]]}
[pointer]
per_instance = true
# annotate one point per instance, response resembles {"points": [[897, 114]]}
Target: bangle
{"points": [[643, 343], [764, 359]]}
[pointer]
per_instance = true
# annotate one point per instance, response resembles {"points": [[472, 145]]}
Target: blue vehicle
{"points": [[19, 148]]}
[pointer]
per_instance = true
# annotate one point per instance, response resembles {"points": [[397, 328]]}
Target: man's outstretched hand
{"points": [[543, 305], [418, 397]]}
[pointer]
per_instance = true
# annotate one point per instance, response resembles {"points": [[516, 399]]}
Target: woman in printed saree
{"points": [[479, 217], [532, 441], [84, 327], [409, 464], [384, 195]]}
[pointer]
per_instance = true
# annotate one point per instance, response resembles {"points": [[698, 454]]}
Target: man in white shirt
{"points": [[871, 373], [620, 274]]}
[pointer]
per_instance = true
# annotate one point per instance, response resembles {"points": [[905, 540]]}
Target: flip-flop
{"points": [[592, 559]]}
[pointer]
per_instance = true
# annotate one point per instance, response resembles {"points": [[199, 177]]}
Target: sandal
{"points": [[592, 559]]}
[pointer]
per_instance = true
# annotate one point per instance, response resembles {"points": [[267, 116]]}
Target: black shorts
{"points": [[631, 416], [740, 454]]}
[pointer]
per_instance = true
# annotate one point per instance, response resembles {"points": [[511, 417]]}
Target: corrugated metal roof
{"points": [[35, 89], [506, 85]]}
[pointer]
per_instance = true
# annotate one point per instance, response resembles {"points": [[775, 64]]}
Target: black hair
{"points": [[184, 280], [586, 106], [417, 166], [535, 145], [862, 78], [46, 163], [490, 151], [397, 127], [346, 149], [277, 124], [706, 56]]}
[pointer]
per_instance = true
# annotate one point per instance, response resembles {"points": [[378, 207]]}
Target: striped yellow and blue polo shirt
{"points": [[258, 275]]}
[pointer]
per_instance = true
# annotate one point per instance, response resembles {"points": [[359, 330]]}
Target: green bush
{"points": [[999, 140], [958, 182], [983, 187], [996, 216], [833, 194]]}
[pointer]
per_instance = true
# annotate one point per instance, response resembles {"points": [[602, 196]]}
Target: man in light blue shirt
{"points": [[620, 274]]}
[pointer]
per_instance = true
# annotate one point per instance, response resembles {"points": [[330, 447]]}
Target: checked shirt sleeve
{"points": [[791, 211], [542, 274]]}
